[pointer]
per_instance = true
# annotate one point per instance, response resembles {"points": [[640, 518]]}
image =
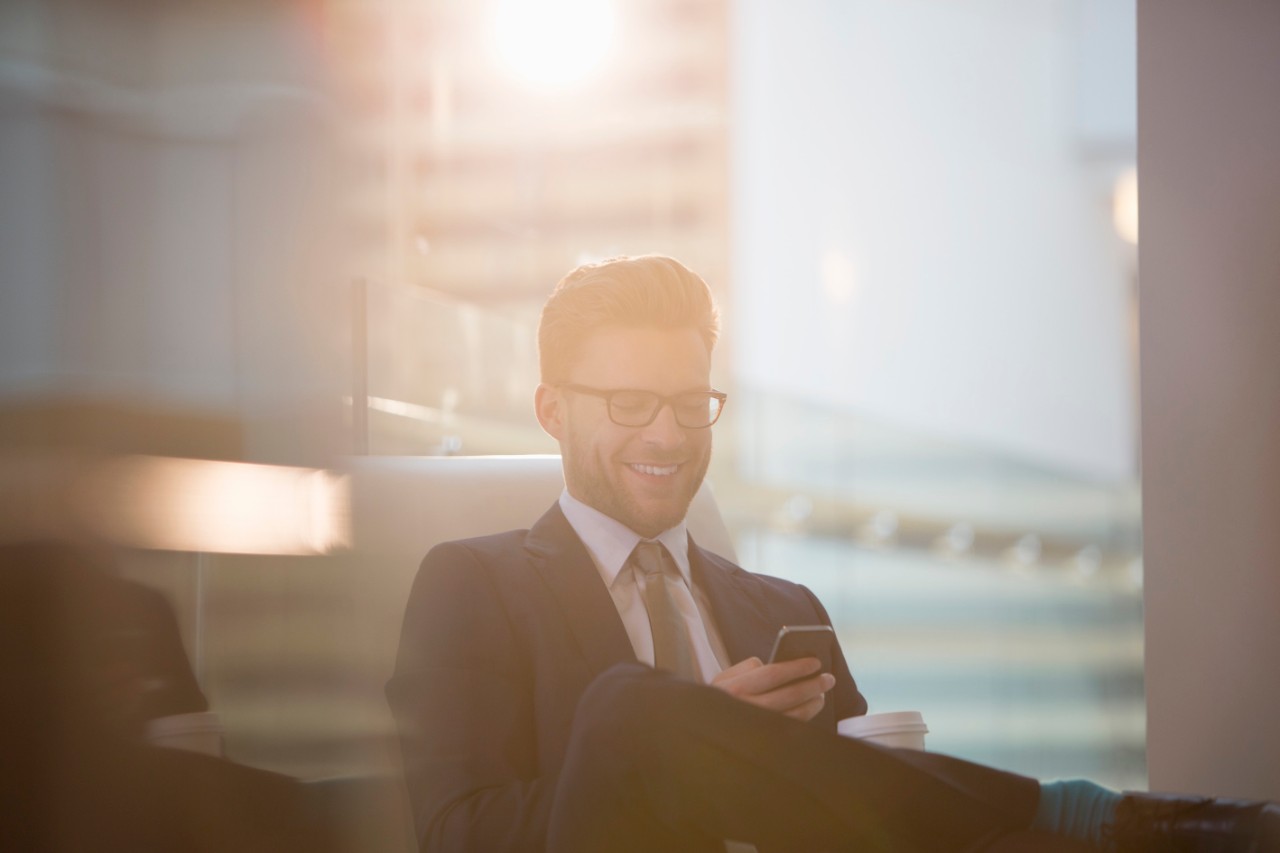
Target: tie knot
{"points": [[650, 557]]}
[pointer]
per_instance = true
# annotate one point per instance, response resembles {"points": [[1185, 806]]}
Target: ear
{"points": [[549, 405]]}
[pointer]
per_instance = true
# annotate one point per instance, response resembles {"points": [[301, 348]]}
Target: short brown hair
{"points": [[641, 291]]}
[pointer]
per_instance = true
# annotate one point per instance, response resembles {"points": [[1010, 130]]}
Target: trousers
{"points": [[657, 763]]}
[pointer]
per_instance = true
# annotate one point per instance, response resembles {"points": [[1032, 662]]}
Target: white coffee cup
{"points": [[903, 729], [196, 732]]}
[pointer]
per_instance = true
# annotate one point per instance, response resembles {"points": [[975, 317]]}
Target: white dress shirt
{"points": [[610, 543]]}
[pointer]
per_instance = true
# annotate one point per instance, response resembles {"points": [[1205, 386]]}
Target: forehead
{"points": [[664, 360]]}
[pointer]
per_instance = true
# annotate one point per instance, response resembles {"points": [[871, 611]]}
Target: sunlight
{"points": [[216, 507], [1125, 206], [554, 43]]}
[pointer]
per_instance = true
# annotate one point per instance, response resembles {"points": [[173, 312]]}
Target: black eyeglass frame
{"points": [[608, 394]]}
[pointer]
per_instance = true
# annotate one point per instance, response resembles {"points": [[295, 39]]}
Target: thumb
{"points": [[741, 667]]}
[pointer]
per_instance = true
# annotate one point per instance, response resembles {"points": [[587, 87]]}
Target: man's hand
{"points": [[794, 687]]}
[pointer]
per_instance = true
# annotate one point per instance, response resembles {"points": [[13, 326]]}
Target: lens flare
{"points": [[555, 43], [1124, 211], [216, 507]]}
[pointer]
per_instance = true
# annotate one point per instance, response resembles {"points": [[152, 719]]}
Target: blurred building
{"points": [[495, 146]]}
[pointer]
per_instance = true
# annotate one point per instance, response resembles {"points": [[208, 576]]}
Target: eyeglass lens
{"points": [[638, 408]]}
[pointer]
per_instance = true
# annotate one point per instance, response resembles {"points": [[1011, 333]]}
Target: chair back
{"points": [[404, 505]]}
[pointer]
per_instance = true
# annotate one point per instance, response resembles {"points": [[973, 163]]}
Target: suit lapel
{"points": [[560, 558], [744, 626]]}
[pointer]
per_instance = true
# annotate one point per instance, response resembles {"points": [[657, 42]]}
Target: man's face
{"points": [[645, 477]]}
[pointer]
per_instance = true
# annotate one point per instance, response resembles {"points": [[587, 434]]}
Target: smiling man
{"points": [[634, 424], [504, 634], [595, 683]]}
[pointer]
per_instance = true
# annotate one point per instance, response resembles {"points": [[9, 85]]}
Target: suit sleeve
{"points": [[847, 700], [462, 698]]}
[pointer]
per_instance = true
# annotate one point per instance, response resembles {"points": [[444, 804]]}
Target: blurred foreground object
{"points": [[175, 504], [87, 660], [214, 507]]}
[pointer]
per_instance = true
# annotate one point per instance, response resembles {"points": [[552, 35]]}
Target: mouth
{"points": [[653, 470]]}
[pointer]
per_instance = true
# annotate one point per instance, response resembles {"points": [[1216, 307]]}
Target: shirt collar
{"points": [[610, 542]]}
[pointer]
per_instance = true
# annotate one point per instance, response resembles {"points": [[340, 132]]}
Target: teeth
{"points": [[655, 470]]}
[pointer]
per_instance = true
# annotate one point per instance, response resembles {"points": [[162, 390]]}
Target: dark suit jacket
{"points": [[502, 634]]}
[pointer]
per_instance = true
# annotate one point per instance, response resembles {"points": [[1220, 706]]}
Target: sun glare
{"points": [[216, 507], [1125, 206], [553, 43]]}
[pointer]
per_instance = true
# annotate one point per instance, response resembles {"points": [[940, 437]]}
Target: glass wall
{"points": [[933, 357], [1000, 598], [914, 216]]}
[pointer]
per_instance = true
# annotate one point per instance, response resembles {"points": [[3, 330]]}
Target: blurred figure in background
{"points": [[87, 660]]}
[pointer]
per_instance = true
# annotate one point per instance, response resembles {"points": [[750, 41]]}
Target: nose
{"points": [[664, 431]]}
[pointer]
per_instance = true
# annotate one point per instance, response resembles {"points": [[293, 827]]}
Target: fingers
{"points": [[766, 677], [797, 694], [806, 712], [809, 708], [795, 688]]}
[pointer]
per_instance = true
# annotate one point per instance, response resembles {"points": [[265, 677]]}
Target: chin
{"points": [[650, 524]]}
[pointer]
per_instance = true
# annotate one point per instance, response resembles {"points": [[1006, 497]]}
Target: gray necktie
{"points": [[672, 649]]}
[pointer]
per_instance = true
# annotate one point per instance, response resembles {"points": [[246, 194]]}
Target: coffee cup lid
{"points": [[890, 721]]}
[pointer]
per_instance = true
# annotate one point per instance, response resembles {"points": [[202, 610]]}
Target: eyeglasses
{"points": [[693, 409]]}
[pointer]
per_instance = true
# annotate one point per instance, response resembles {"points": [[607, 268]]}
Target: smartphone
{"points": [[803, 641]]}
